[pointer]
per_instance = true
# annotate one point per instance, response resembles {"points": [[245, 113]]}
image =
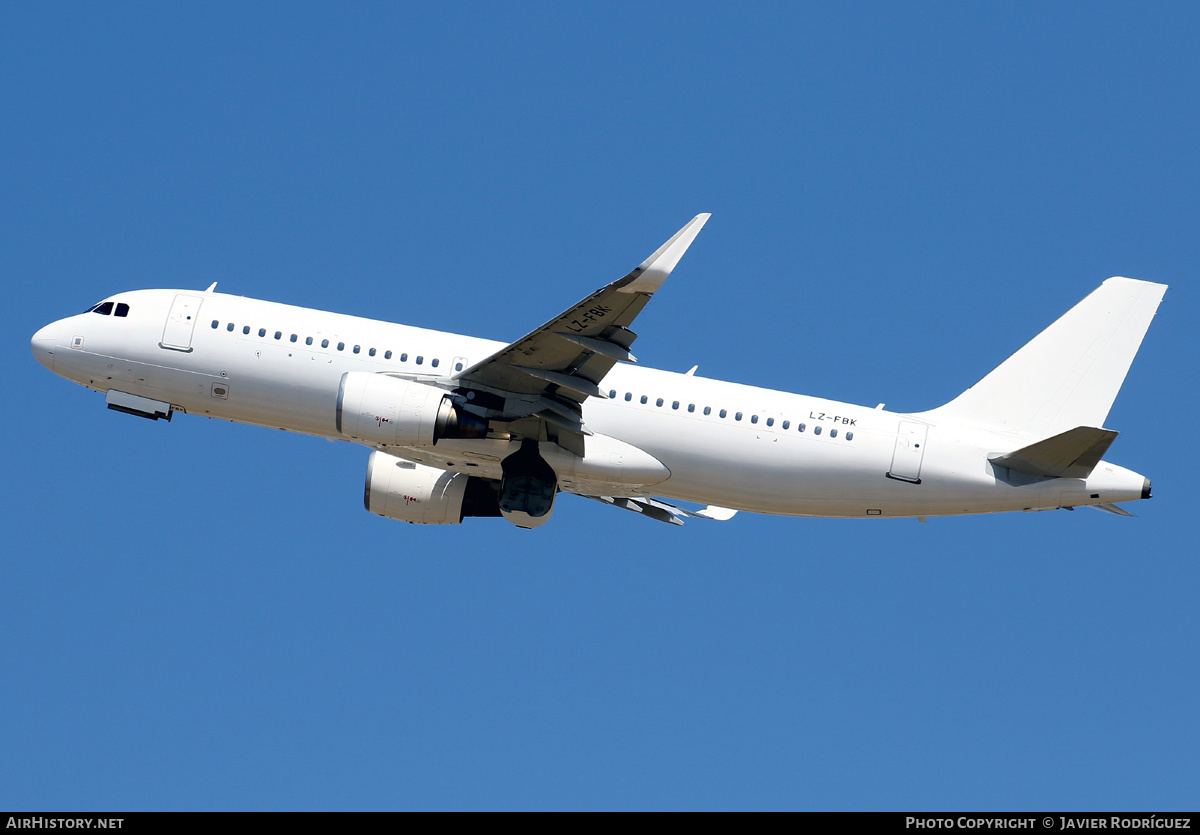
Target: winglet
{"points": [[652, 272]]}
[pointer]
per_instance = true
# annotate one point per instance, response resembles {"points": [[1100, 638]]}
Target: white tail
{"points": [[1069, 374]]}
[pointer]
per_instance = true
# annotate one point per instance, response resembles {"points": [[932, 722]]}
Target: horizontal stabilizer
{"points": [[1071, 454]]}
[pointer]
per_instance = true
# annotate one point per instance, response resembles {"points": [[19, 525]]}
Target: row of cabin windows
{"points": [[387, 355], [341, 346], [723, 413], [107, 309]]}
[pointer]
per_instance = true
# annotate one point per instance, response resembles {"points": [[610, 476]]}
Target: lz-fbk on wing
{"points": [[461, 426]]}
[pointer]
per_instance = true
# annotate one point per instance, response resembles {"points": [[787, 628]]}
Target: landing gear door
{"points": [[181, 321], [910, 449]]}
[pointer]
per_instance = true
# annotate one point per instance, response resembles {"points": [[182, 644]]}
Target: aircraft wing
{"points": [[561, 364]]}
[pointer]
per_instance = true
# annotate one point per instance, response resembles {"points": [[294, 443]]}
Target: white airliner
{"points": [[462, 426]]}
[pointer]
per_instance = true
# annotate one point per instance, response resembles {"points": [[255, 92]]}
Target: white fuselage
{"points": [[721, 443]]}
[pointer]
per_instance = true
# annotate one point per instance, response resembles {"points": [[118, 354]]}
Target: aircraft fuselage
{"points": [[658, 433]]}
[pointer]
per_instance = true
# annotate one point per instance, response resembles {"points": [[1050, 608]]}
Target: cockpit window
{"points": [[122, 309], [104, 308]]}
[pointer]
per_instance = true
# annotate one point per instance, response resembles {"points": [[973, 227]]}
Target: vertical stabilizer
{"points": [[1069, 374]]}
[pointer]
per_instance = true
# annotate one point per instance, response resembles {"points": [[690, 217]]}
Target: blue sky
{"points": [[199, 615]]}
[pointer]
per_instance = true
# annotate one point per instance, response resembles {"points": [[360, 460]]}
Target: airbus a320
{"points": [[466, 427]]}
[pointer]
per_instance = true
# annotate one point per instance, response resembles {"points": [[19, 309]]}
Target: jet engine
{"points": [[400, 489], [381, 409]]}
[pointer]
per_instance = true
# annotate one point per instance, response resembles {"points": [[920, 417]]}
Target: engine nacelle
{"points": [[400, 489], [380, 409]]}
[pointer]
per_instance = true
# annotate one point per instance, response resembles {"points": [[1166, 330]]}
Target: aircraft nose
{"points": [[43, 345]]}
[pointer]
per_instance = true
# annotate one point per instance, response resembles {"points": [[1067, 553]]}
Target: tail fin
{"points": [[1069, 374]]}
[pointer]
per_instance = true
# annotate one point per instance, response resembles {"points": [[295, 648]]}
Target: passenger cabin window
{"points": [[754, 418], [675, 405], [770, 421], [628, 396], [658, 402], [293, 338], [786, 424], [420, 360], [800, 427], [262, 331], [341, 346], [279, 334], [122, 309], [215, 324], [612, 393], [833, 433], [738, 416], [691, 407], [849, 436], [645, 399], [404, 358], [324, 343], [723, 413], [229, 327], [816, 430], [387, 355], [246, 329], [308, 340], [356, 349], [435, 362], [371, 352], [708, 410]]}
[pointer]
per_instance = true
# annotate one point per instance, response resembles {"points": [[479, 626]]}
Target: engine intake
{"points": [[380, 409]]}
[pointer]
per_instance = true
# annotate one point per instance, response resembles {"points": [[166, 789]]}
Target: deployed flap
{"points": [[568, 356], [663, 512], [1071, 454], [653, 508]]}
